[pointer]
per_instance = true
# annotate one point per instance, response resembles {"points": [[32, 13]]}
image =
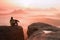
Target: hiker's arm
{"points": [[18, 21]]}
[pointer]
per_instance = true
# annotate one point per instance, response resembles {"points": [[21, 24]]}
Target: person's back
{"points": [[12, 22]]}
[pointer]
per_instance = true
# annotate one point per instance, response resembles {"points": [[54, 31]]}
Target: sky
{"points": [[10, 5], [33, 3]]}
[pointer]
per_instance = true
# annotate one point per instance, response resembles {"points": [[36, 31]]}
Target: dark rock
{"points": [[43, 36], [36, 35], [41, 26], [11, 33]]}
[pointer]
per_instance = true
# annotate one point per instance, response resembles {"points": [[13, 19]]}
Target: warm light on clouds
{"points": [[35, 3]]}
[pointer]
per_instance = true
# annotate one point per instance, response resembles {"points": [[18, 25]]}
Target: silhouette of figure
{"points": [[12, 22], [16, 22]]}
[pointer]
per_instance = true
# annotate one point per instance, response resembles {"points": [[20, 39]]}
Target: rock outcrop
{"points": [[41, 26], [11, 33]]}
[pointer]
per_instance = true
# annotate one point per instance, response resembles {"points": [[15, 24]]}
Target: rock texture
{"points": [[43, 36], [11, 33], [40, 26]]}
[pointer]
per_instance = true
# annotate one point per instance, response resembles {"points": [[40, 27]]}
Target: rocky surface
{"points": [[41, 26], [11, 33], [43, 36]]}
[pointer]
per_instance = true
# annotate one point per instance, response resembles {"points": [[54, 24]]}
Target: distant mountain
{"points": [[20, 11], [45, 20], [40, 9], [53, 21]]}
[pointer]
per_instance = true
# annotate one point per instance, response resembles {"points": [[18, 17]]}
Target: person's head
{"points": [[11, 17]]}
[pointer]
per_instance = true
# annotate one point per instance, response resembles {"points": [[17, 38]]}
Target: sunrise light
{"points": [[20, 3], [34, 3]]}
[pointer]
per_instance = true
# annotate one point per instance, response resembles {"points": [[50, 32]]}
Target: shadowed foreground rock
{"points": [[43, 36], [40, 26], [11, 33]]}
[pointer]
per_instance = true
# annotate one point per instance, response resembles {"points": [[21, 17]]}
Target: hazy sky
{"points": [[9, 5], [33, 3]]}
